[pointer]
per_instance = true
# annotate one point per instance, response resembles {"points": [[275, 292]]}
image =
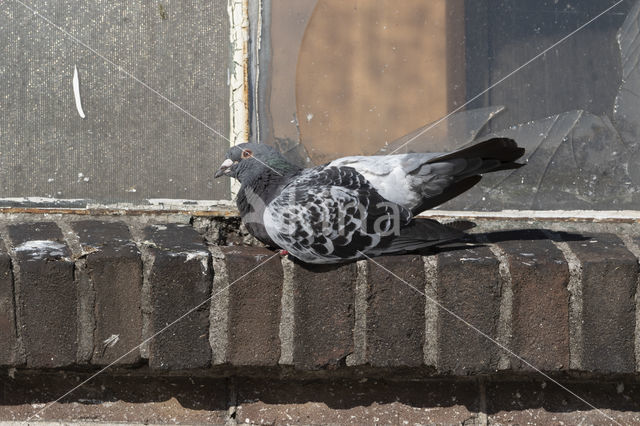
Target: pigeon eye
{"points": [[246, 153]]}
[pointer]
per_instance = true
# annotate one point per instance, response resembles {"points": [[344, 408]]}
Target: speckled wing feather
{"points": [[331, 213]]}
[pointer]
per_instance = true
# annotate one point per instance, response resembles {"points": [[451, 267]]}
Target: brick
{"points": [[469, 286], [9, 349], [537, 402], [114, 399], [114, 265], [180, 280], [395, 312], [47, 299], [324, 297], [254, 306], [609, 280], [360, 402], [540, 310]]}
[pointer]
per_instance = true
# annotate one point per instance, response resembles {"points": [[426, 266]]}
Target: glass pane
{"points": [[559, 76]]}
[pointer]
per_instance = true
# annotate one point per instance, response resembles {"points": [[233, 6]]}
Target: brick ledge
{"points": [[563, 302], [139, 399]]}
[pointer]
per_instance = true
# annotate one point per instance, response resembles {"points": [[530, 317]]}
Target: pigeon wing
{"points": [[408, 179], [331, 213], [419, 181]]}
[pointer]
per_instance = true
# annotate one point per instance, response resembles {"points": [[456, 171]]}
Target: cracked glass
{"points": [[560, 77]]}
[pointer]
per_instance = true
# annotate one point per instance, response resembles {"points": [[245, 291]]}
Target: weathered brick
{"points": [[254, 306], [47, 313], [538, 402], [469, 286], [180, 280], [114, 265], [115, 399], [324, 315], [540, 309], [609, 280], [9, 349], [395, 312], [357, 402]]}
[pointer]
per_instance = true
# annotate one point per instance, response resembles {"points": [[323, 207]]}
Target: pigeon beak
{"points": [[225, 168]]}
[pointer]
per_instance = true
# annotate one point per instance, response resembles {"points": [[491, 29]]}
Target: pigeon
{"points": [[359, 206]]}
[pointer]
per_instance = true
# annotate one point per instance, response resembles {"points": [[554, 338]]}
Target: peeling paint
{"points": [[238, 11]]}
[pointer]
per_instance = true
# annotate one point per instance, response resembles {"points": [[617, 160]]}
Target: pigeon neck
{"points": [[254, 195], [261, 183]]}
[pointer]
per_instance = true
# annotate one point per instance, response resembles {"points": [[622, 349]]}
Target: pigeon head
{"points": [[246, 161]]}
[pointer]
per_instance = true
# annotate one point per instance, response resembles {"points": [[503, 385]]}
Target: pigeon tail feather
{"points": [[504, 149], [420, 233]]}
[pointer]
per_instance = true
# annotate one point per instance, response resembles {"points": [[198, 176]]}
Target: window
{"points": [[167, 87], [352, 77]]}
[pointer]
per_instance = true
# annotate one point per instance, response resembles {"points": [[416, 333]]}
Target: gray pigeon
{"points": [[356, 206]]}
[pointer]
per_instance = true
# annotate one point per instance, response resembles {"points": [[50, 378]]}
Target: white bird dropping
{"points": [[76, 92]]}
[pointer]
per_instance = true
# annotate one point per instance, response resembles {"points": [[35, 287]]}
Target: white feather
{"points": [[76, 92]]}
